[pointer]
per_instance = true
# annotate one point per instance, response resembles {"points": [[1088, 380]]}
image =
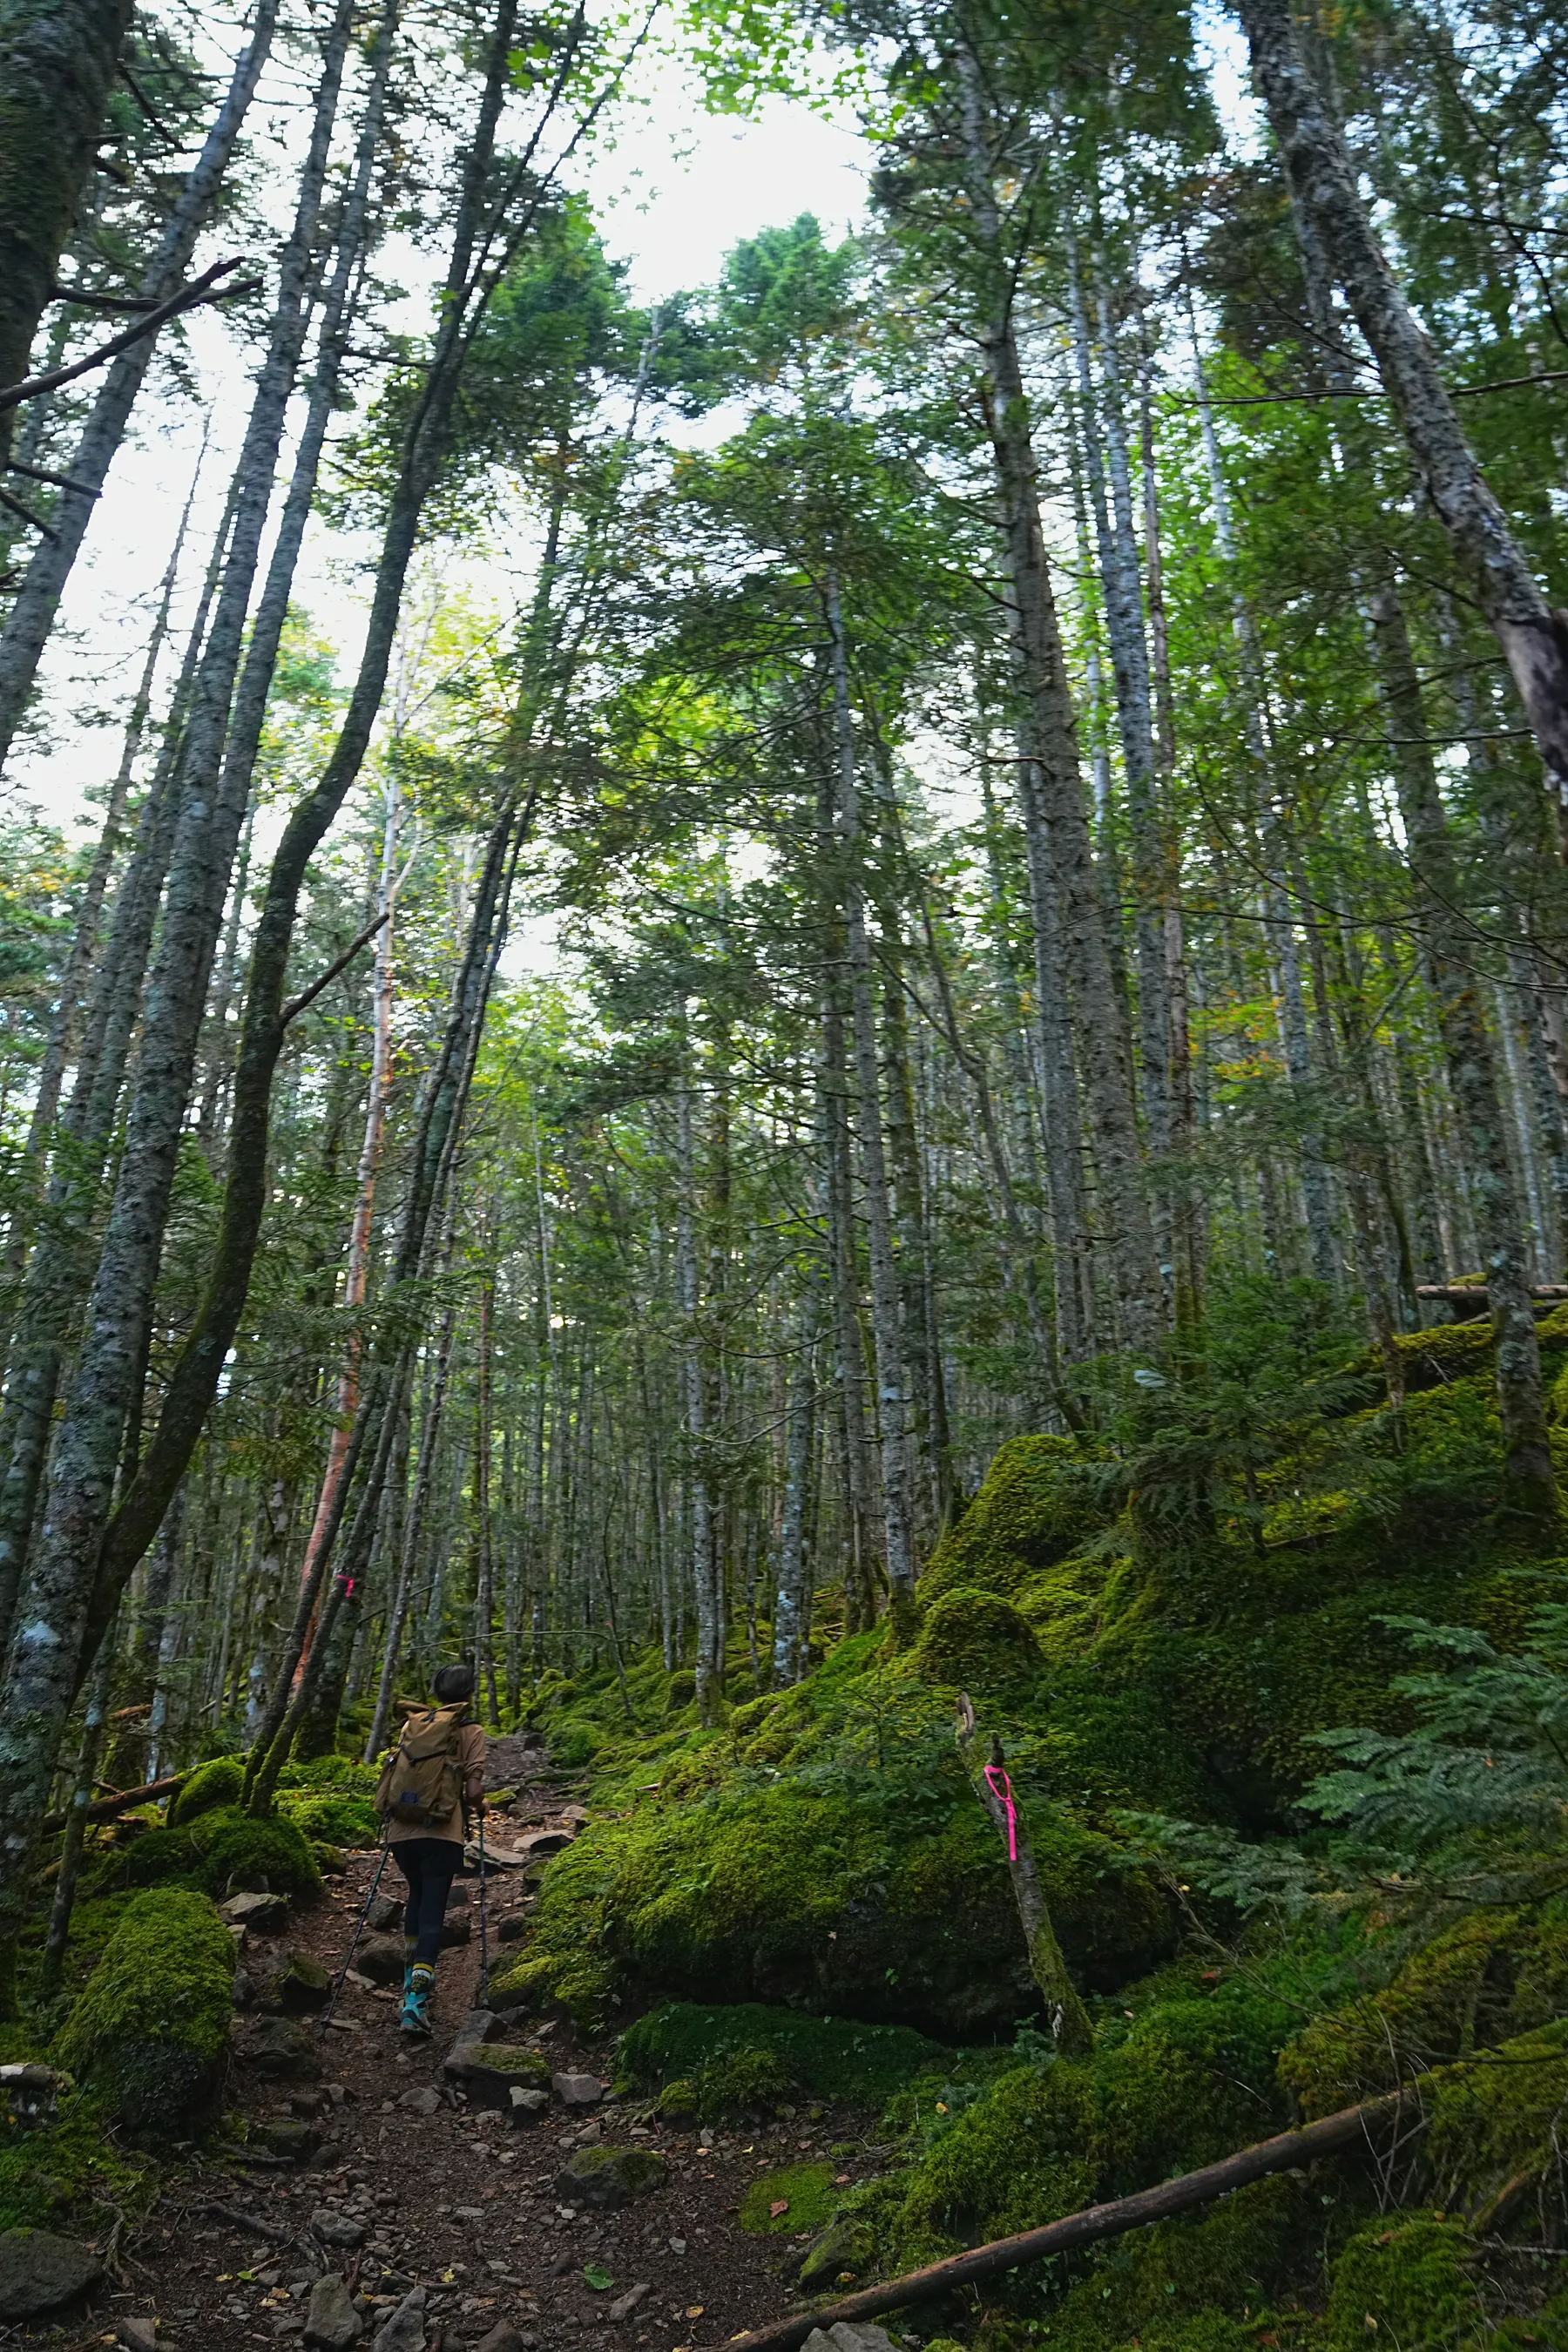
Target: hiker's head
{"points": [[453, 1683]]}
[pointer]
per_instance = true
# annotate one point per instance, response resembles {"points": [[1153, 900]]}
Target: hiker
{"points": [[432, 1786]]}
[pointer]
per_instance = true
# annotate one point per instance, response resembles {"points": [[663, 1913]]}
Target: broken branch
{"points": [[1351, 2127]]}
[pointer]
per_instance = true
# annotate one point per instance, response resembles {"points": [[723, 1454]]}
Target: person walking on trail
{"points": [[431, 1787]]}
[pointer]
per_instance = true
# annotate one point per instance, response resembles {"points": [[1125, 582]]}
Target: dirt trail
{"points": [[465, 2203]]}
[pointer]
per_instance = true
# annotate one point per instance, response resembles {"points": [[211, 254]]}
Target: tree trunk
{"points": [[1127, 1231], [1323, 182], [32, 613], [892, 1401], [1065, 2013], [58, 61]]}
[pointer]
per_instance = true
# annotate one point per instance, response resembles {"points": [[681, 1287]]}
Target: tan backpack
{"points": [[421, 1785]]}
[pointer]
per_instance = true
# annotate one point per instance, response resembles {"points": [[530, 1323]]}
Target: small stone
{"points": [[456, 1931], [425, 2100], [284, 2135], [625, 2305], [405, 2331], [331, 2320], [258, 1911], [41, 2273], [336, 2228], [479, 2025], [529, 2103], [243, 1989], [503, 2337], [385, 1914], [609, 2177], [284, 2050], [577, 2090], [512, 1926], [677, 2106], [490, 2071], [301, 1984], [380, 1958], [137, 2334], [458, 1898]]}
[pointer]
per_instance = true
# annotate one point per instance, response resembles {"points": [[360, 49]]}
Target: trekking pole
{"points": [[484, 1927], [325, 2018]]}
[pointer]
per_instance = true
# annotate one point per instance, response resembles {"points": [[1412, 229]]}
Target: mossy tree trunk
{"points": [[1065, 2012]]}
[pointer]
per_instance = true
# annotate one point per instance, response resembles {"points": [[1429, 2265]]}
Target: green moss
{"points": [[150, 2029], [1208, 2271], [807, 2193], [1412, 2281], [974, 1639], [337, 1818], [1185, 2082], [209, 1785], [160, 1855], [1492, 2126], [1426, 2016], [1034, 1508], [239, 1855], [750, 2055], [831, 1892], [574, 1743]]}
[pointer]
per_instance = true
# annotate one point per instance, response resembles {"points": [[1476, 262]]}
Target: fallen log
{"points": [[1474, 1294], [103, 1809], [1328, 2138]]}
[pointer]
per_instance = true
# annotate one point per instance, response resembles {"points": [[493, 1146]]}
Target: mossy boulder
{"points": [[150, 2027], [241, 1856], [974, 1640], [830, 1894], [1409, 2281], [159, 1856], [1034, 1507], [331, 1817], [1187, 2082], [211, 1785]]}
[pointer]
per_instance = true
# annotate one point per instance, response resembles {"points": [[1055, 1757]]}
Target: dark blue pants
{"points": [[429, 1865]]}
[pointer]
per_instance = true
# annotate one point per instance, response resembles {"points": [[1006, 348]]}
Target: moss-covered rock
{"points": [[161, 1855], [830, 1895], [974, 1640], [211, 1785], [607, 2178], [1410, 2281], [242, 1855], [150, 2030], [1037, 1506]]}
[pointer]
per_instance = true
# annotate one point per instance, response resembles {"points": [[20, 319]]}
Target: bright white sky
{"points": [[674, 192]]}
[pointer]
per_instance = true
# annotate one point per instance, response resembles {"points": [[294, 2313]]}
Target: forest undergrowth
{"points": [[1292, 1753]]}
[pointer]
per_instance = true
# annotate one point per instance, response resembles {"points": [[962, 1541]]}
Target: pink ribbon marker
{"points": [[1001, 1787]]}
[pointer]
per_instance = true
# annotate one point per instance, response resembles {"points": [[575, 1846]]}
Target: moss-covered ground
{"points": [[806, 1902]]}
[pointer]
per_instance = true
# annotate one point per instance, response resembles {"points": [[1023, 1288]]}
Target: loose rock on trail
{"points": [[376, 2203]]}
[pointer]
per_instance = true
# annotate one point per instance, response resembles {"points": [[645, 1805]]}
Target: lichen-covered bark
{"points": [[56, 68]]}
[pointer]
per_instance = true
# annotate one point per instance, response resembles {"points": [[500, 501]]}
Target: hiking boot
{"points": [[410, 1946], [415, 2018]]}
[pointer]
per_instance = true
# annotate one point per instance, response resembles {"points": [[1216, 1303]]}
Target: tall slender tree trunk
{"points": [[1127, 1230], [32, 613], [887, 1337]]}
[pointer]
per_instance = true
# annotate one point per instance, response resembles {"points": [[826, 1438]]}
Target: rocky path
{"points": [[384, 2207]]}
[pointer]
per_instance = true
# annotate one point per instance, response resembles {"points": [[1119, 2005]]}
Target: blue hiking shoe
{"points": [[415, 2018]]}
